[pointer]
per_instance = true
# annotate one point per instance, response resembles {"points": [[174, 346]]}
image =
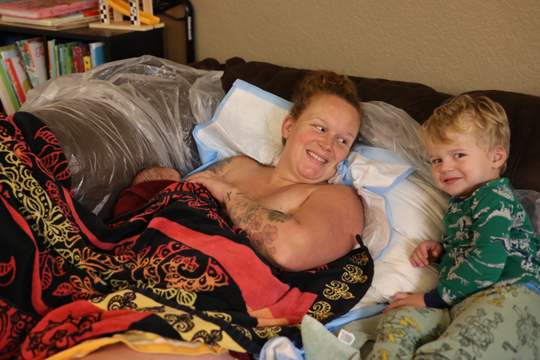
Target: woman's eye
{"points": [[459, 155], [343, 141], [435, 161], [320, 128]]}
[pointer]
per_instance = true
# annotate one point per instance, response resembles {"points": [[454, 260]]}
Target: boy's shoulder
{"points": [[499, 190], [499, 196], [493, 194]]}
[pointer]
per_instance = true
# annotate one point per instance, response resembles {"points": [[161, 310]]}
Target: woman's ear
{"points": [[287, 126]]}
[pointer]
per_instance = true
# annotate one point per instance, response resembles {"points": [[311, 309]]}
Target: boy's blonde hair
{"points": [[466, 114]]}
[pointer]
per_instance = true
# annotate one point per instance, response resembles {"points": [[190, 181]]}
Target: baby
{"points": [[489, 267]]}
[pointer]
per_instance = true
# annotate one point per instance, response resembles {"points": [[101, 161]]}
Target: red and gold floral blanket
{"points": [[175, 267]]}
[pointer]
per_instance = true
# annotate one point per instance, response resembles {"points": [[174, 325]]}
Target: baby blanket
{"points": [[176, 266]]}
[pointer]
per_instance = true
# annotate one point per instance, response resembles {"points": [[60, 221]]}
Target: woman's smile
{"points": [[316, 157]]}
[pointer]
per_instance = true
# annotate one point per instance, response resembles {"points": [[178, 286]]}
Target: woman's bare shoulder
{"points": [[225, 165], [339, 190]]}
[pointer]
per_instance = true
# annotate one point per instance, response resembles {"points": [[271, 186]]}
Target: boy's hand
{"points": [[402, 299], [425, 253]]}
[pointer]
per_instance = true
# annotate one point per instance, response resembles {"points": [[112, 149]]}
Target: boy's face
{"points": [[462, 165]]}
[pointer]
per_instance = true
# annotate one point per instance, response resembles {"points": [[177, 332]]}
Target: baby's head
{"points": [[468, 140]]}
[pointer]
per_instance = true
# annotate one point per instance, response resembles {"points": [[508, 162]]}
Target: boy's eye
{"points": [[435, 161], [320, 128], [459, 155]]}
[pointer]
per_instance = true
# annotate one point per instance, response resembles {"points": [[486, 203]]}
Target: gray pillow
{"points": [[531, 201]]}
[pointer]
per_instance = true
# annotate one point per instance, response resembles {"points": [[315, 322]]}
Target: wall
{"points": [[452, 46]]}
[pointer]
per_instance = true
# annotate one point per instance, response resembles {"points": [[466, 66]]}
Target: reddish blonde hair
{"points": [[324, 82]]}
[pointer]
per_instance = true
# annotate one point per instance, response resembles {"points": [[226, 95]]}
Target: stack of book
{"points": [[49, 14], [30, 62]]}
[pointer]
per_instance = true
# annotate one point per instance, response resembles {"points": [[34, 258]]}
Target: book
{"points": [[33, 55], [53, 60], [14, 67], [97, 53], [79, 17], [77, 53], [39, 9], [87, 61], [17, 86], [72, 25], [7, 93]]}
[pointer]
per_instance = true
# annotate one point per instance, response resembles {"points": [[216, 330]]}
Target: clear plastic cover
{"points": [[389, 127], [124, 116]]}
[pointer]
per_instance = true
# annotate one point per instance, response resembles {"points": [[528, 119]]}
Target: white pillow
{"points": [[417, 210], [399, 212], [247, 121]]}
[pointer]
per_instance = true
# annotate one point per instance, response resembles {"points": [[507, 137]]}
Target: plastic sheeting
{"points": [[122, 117], [391, 128]]}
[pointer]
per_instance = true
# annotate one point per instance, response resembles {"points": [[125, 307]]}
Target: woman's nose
{"points": [[326, 143]]}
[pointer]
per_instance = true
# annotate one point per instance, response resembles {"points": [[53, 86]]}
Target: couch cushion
{"points": [[417, 99]]}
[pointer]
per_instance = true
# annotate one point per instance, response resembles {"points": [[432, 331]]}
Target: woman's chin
{"points": [[315, 177]]}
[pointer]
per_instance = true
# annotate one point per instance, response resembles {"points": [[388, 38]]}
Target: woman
{"points": [[291, 214]]}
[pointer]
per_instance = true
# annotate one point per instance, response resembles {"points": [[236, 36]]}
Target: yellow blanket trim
{"points": [[140, 341], [195, 331]]}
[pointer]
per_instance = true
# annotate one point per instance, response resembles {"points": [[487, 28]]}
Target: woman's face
{"points": [[320, 138]]}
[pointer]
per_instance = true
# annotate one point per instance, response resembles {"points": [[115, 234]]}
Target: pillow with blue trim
{"points": [[248, 122]]}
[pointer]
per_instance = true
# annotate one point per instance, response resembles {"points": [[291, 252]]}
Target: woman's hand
{"points": [[402, 299], [219, 188], [425, 253]]}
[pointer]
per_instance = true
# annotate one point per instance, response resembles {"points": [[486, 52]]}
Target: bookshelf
{"points": [[22, 67], [119, 44]]}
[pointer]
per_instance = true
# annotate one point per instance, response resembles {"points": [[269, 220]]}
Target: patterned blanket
{"points": [[176, 267]]}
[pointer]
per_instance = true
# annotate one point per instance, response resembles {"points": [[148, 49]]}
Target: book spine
{"points": [[45, 8], [57, 59], [51, 51], [33, 54], [87, 59], [7, 95], [15, 69], [61, 59], [77, 55], [37, 56], [97, 53], [21, 72], [67, 54], [16, 83]]}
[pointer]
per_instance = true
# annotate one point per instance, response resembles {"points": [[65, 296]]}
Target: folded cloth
{"points": [[133, 197]]}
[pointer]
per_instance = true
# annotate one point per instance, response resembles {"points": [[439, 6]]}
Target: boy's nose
{"points": [[446, 165]]}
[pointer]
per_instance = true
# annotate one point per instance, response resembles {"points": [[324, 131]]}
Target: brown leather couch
{"points": [[417, 99]]}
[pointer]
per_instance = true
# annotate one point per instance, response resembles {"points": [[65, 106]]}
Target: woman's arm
{"points": [[321, 230]]}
